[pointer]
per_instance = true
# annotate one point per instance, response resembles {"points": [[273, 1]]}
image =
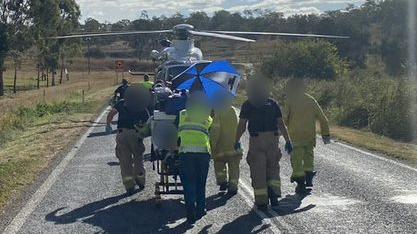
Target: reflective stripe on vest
{"points": [[191, 127], [194, 132], [193, 149]]}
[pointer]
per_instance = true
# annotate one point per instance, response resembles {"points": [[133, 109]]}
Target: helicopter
{"points": [[176, 57], [181, 53]]}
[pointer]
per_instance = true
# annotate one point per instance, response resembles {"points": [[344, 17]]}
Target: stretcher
{"points": [[164, 139]]}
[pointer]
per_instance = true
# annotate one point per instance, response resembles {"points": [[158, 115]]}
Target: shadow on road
{"points": [[245, 224], [113, 164], [252, 223], [217, 200], [99, 134], [149, 216], [290, 204]]}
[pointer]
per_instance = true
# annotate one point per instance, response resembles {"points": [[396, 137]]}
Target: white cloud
{"points": [[114, 10]]}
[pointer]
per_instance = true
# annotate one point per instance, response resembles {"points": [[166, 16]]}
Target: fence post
{"points": [[83, 97], [44, 95]]}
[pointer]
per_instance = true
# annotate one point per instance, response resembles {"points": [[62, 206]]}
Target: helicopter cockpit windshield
{"points": [[172, 72]]}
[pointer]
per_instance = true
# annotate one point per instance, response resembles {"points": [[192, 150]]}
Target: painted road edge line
{"points": [[249, 201], [247, 194], [376, 156], [38, 196]]}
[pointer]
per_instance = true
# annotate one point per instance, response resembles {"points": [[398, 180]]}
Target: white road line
{"points": [[38, 196], [249, 200], [376, 156], [249, 197]]}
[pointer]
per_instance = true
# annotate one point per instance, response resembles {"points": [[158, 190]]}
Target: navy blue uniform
{"points": [[261, 118], [128, 119]]}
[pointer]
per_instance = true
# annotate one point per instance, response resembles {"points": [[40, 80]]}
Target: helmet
{"points": [[125, 82]]}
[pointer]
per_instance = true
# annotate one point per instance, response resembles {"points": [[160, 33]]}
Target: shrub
{"points": [[395, 114], [304, 59]]}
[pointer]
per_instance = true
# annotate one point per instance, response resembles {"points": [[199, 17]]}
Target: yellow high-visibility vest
{"points": [[193, 131], [147, 84]]}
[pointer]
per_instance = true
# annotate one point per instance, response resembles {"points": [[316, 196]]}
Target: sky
{"points": [[115, 10]]}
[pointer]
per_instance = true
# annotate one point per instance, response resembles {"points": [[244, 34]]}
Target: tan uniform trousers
{"points": [[263, 159], [129, 151], [226, 169], [302, 160]]}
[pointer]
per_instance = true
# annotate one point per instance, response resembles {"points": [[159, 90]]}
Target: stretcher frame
{"points": [[166, 164]]}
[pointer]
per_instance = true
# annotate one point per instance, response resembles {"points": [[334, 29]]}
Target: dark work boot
{"points": [[309, 178], [262, 207], [130, 191], [301, 186], [139, 184], [273, 197], [223, 187], [191, 219]]}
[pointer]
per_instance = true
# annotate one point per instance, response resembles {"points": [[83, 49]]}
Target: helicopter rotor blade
{"points": [[110, 34], [218, 35], [282, 34]]}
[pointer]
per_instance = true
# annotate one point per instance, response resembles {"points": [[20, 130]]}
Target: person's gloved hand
{"points": [[109, 129], [288, 147], [326, 140]]}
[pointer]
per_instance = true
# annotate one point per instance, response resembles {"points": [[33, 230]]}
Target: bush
{"points": [[394, 116], [304, 59], [356, 117]]}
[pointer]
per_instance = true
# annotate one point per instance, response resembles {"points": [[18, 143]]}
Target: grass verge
{"points": [[374, 142], [31, 137]]}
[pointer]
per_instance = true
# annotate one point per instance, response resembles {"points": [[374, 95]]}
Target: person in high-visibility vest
{"points": [[301, 114], [147, 83], [225, 156], [194, 152]]}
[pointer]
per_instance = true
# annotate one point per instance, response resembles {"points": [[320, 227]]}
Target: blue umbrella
{"points": [[219, 80]]}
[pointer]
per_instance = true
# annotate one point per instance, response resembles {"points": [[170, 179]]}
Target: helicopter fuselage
{"points": [[177, 58], [182, 51]]}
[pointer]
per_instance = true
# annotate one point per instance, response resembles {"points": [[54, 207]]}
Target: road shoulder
{"points": [[64, 134]]}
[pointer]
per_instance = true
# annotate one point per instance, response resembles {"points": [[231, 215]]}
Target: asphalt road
{"points": [[355, 192]]}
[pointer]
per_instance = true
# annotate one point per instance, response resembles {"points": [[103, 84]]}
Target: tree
{"points": [[92, 25], [199, 19], [3, 51], [15, 21], [303, 59], [70, 14], [46, 18], [19, 37]]}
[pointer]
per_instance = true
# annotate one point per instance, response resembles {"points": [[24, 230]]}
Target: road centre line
{"points": [[20, 219]]}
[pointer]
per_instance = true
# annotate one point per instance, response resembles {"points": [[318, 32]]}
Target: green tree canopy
{"points": [[304, 59]]}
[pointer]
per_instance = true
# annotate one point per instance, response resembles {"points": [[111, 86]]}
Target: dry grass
{"points": [[79, 82], [33, 148], [373, 142]]}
